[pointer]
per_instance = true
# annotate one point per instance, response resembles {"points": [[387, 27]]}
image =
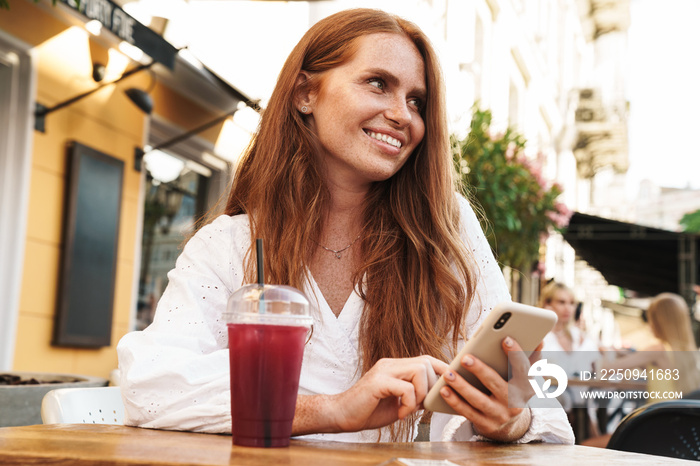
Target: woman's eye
{"points": [[376, 82], [417, 103]]}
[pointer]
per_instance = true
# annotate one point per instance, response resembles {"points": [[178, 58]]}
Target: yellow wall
{"points": [[106, 121]]}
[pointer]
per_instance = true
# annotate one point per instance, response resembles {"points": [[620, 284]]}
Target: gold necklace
{"points": [[338, 251]]}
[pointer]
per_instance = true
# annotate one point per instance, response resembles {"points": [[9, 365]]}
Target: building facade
{"points": [[49, 55]]}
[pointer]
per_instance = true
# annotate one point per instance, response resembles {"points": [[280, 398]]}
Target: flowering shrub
{"points": [[519, 205]]}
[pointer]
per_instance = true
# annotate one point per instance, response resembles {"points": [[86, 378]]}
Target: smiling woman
{"points": [[350, 183]]}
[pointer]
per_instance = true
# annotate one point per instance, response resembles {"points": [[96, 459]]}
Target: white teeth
{"points": [[385, 138]]}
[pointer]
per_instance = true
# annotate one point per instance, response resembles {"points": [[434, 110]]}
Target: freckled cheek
{"points": [[418, 133]]}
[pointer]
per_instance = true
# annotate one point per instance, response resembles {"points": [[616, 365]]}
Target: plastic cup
{"points": [[267, 329]]}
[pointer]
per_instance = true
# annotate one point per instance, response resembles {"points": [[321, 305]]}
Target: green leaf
{"points": [[691, 222]]}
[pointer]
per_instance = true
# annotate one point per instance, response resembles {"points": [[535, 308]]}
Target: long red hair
{"points": [[416, 276]]}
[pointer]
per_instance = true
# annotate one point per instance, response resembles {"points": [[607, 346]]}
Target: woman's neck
{"points": [[341, 227], [343, 216], [561, 327]]}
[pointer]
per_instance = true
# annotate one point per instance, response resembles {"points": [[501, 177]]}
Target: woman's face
{"points": [[563, 305], [366, 113]]}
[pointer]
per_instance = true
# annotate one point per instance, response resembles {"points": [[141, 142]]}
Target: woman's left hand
{"points": [[493, 416]]}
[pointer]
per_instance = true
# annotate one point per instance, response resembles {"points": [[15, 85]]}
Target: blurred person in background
{"points": [[566, 335], [673, 358], [568, 346], [674, 349]]}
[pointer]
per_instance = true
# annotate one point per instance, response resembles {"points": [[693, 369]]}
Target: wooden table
{"points": [[102, 445]]}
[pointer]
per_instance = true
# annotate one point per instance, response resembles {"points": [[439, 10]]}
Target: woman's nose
{"points": [[399, 112]]}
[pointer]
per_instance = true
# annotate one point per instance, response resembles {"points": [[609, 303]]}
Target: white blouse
{"points": [[175, 373]]}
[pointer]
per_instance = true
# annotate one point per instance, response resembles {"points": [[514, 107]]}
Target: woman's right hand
{"points": [[392, 389]]}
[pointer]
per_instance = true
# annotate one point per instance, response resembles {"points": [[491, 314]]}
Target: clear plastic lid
{"points": [[268, 304]]}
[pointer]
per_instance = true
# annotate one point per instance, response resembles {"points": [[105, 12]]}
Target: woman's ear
{"points": [[304, 96]]}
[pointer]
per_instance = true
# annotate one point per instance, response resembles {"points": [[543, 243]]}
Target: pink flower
{"points": [[561, 216], [563, 210]]}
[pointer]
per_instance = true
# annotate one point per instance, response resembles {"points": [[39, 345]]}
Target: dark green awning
{"points": [[646, 260]]}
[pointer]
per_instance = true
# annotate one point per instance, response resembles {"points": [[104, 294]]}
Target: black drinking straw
{"points": [[259, 255], [267, 428]]}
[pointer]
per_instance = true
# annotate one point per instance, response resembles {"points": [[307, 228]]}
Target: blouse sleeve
{"points": [[174, 374], [548, 424]]}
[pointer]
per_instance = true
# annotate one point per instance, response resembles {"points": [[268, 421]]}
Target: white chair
{"points": [[89, 405]]}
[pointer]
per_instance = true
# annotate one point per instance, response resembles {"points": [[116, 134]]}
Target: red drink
{"points": [[265, 366]]}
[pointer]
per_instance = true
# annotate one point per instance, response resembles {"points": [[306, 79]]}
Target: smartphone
{"points": [[527, 325]]}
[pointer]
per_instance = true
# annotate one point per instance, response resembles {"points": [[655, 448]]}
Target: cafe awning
{"points": [[636, 257]]}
